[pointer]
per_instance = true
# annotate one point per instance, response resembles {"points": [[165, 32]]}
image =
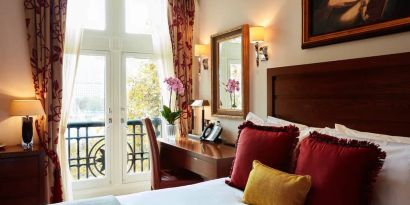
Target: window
{"points": [[96, 15], [116, 86], [137, 17]]}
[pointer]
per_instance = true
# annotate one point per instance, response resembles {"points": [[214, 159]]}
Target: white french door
{"points": [[139, 98], [116, 86], [89, 129]]}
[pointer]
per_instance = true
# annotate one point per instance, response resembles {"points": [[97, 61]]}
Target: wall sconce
{"points": [[257, 36], [200, 52]]}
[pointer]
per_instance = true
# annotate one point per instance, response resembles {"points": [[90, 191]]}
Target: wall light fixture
{"points": [[257, 36]]}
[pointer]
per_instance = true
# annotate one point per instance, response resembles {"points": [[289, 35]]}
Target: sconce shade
{"points": [[257, 34], [26, 108], [200, 103], [200, 49]]}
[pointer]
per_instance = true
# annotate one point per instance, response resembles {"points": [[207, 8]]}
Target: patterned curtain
{"points": [[181, 28], [45, 22]]}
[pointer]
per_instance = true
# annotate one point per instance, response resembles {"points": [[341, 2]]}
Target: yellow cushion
{"points": [[267, 186]]}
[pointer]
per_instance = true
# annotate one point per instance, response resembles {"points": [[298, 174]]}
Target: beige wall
{"points": [[15, 73], [282, 19]]}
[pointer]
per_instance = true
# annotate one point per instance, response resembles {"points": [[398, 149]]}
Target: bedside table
{"points": [[22, 176]]}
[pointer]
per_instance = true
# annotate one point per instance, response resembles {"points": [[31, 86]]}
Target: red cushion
{"points": [[342, 171], [272, 146]]}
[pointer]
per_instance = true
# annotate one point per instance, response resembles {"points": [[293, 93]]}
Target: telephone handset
{"points": [[212, 132]]}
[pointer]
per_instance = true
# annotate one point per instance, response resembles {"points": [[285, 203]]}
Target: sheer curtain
{"points": [[76, 13], [162, 45]]}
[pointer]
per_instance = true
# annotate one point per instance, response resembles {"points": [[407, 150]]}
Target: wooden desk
{"points": [[209, 160]]}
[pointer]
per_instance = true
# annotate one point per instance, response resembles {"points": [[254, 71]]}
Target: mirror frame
{"points": [[215, 39]]}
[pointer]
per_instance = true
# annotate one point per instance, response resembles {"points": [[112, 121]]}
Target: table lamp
{"points": [[26, 108], [201, 103]]}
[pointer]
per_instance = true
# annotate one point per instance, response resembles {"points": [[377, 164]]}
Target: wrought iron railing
{"points": [[86, 148]]}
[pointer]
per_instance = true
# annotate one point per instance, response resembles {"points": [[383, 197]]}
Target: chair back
{"points": [[155, 158]]}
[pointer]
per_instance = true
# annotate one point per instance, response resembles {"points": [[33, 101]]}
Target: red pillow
{"points": [[342, 171], [272, 146]]}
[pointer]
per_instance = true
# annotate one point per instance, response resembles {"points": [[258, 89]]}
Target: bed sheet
{"points": [[213, 192]]}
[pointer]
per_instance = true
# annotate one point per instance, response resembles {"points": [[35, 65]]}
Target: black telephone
{"points": [[212, 132]]}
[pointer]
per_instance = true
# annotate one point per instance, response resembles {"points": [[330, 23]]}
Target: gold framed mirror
{"points": [[230, 72]]}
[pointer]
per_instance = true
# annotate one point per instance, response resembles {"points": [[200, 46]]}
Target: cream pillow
{"points": [[368, 135], [283, 122], [255, 119]]}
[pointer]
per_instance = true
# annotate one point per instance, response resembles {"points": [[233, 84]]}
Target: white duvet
{"points": [[214, 192]]}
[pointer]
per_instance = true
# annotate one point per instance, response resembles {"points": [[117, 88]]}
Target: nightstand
{"points": [[22, 176]]}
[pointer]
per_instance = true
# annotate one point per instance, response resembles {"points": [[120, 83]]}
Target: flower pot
{"points": [[171, 131]]}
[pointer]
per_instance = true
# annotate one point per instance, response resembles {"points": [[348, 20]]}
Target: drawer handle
{"points": [[194, 158]]}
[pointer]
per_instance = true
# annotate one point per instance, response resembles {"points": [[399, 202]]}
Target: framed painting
{"points": [[334, 21]]}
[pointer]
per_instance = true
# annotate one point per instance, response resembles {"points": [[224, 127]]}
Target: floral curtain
{"points": [[45, 22], [181, 28]]}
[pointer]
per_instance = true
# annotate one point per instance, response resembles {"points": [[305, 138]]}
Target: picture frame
{"points": [[327, 22]]}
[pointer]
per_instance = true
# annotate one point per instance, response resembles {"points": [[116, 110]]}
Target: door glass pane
{"points": [[137, 19], [143, 100], [96, 15], [85, 133]]}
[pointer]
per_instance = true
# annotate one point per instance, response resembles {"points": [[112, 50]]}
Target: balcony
{"points": [[86, 148]]}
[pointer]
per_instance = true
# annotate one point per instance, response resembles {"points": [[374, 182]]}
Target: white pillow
{"points": [[393, 183], [255, 119], [277, 122], [303, 129], [285, 122], [368, 135]]}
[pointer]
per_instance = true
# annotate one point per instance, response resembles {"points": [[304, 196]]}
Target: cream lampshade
{"points": [[257, 34], [200, 50], [201, 103], [26, 108]]}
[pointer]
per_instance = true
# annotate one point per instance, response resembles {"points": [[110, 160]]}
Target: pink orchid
{"points": [[232, 85], [174, 84]]}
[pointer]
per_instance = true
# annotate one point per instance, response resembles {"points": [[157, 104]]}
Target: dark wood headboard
{"points": [[368, 94]]}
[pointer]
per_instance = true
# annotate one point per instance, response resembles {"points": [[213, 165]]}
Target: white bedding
{"points": [[214, 192]]}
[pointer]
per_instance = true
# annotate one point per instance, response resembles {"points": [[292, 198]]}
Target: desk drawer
{"points": [[174, 158], [211, 161], [21, 167], [204, 168], [16, 187]]}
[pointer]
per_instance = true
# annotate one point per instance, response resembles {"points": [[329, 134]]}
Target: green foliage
{"points": [[144, 95], [170, 116]]}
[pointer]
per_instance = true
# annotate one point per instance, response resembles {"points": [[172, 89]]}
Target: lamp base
{"points": [[27, 133]]}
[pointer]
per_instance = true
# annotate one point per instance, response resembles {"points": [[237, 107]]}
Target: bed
{"points": [[213, 192], [370, 94]]}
